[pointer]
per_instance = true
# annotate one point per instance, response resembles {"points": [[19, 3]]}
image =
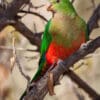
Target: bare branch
{"points": [[93, 21], [9, 14], [13, 58], [33, 38], [40, 89], [34, 13], [82, 84], [37, 7], [13, 8], [21, 71], [93, 3], [17, 49], [72, 1]]}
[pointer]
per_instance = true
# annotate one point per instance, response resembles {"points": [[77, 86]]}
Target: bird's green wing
{"points": [[44, 46], [46, 38]]}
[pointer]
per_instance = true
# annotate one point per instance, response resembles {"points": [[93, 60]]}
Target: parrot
{"points": [[63, 35]]}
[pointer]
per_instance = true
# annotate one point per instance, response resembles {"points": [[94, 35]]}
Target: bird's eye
{"points": [[58, 0]]}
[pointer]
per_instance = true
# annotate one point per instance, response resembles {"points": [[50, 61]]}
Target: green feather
{"points": [[44, 46], [46, 38], [70, 23], [63, 6]]}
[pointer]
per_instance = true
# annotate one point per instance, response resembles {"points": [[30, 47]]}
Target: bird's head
{"points": [[57, 4], [63, 6]]}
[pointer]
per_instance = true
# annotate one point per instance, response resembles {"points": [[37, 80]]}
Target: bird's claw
{"points": [[59, 61], [83, 45]]}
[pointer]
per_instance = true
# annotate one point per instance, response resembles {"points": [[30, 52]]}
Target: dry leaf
{"points": [[51, 84]]}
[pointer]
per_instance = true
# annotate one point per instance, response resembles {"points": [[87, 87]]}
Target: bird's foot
{"points": [[83, 45], [60, 62]]}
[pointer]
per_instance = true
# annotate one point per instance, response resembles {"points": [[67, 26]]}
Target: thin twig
{"points": [[17, 49], [78, 94], [93, 21], [72, 1], [13, 58], [32, 37], [21, 71], [82, 84], [33, 13], [31, 58], [7, 15], [93, 3], [37, 7], [35, 28]]}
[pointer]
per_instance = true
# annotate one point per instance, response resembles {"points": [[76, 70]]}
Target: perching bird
{"points": [[63, 35]]}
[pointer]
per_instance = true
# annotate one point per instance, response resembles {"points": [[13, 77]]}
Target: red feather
{"points": [[56, 51]]}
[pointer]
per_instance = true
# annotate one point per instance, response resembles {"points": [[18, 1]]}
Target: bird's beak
{"points": [[50, 8]]}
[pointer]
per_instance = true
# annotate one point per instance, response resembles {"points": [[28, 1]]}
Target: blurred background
{"points": [[12, 83]]}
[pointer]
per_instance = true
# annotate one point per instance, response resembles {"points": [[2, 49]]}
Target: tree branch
{"points": [[14, 7], [8, 15], [82, 84], [93, 21], [34, 13], [33, 38], [40, 89]]}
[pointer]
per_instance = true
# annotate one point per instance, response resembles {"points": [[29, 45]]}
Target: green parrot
{"points": [[63, 35]]}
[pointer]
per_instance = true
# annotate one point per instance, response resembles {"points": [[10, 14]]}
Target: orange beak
{"points": [[50, 8]]}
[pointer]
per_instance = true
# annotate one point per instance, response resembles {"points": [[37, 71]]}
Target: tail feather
{"points": [[38, 74]]}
